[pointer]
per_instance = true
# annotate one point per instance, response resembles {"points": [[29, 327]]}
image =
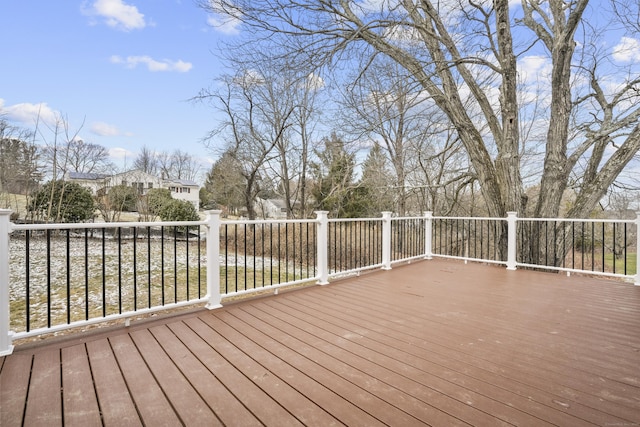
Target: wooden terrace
{"points": [[436, 342]]}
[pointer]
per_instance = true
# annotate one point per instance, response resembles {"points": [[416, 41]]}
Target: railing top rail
{"points": [[269, 221], [354, 219], [578, 220], [482, 218], [399, 218], [630, 220], [94, 225]]}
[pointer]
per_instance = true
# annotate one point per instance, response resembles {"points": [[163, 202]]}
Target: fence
{"points": [[58, 276]]}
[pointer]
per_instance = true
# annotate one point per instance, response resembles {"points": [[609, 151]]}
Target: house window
{"points": [[150, 185], [124, 182]]}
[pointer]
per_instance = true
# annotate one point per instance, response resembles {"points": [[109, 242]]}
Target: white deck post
{"points": [[6, 347], [511, 240], [637, 280], [386, 240], [428, 233], [322, 247], [213, 260]]}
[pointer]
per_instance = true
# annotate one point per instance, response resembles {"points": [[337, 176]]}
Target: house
{"points": [[91, 181], [181, 189], [271, 208]]}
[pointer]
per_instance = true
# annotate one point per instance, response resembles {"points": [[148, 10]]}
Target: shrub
{"points": [[157, 198], [178, 210], [62, 201], [122, 198]]}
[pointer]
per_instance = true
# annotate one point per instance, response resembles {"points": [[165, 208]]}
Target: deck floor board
{"points": [[436, 342]]}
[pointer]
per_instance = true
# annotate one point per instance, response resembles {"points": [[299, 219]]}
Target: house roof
{"points": [[279, 203], [87, 176], [185, 182]]}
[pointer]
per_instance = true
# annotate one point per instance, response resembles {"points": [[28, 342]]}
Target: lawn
{"points": [[114, 280], [619, 263]]}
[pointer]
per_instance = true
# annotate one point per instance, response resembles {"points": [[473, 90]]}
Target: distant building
{"points": [[181, 189], [271, 208]]}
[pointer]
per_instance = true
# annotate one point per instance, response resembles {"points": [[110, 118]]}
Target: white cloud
{"points": [[104, 129], [29, 113], [121, 153], [224, 19], [627, 50], [117, 14], [152, 64], [533, 67], [249, 78], [314, 82], [225, 24]]}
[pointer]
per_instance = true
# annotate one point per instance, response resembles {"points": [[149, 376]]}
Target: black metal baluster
{"points": [[593, 247], [573, 245], [614, 248], [564, 243], [603, 247], [625, 249], [226, 258], [308, 250], [68, 274], [135, 268], [48, 278], [104, 272], [119, 270], [27, 261], [86, 274], [149, 266], [293, 257], [162, 263], [286, 252], [582, 246], [199, 263], [175, 264], [335, 244], [555, 242], [245, 255], [187, 259]]}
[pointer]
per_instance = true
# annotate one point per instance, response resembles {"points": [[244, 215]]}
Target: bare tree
{"points": [[183, 166], [392, 111], [176, 165], [465, 57], [247, 130], [78, 155], [146, 161], [20, 166]]}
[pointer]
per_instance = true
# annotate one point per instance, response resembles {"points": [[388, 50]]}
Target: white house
{"points": [[271, 208], [92, 181], [181, 189]]}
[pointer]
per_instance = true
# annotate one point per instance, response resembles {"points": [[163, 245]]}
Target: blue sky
{"points": [[127, 68]]}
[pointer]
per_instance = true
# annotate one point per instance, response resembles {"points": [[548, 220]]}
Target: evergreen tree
{"points": [[377, 181], [225, 184], [333, 177]]}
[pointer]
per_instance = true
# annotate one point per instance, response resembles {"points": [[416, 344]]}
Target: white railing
{"points": [[159, 258]]}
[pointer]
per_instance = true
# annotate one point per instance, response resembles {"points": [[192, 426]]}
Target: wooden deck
{"points": [[436, 342]]}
